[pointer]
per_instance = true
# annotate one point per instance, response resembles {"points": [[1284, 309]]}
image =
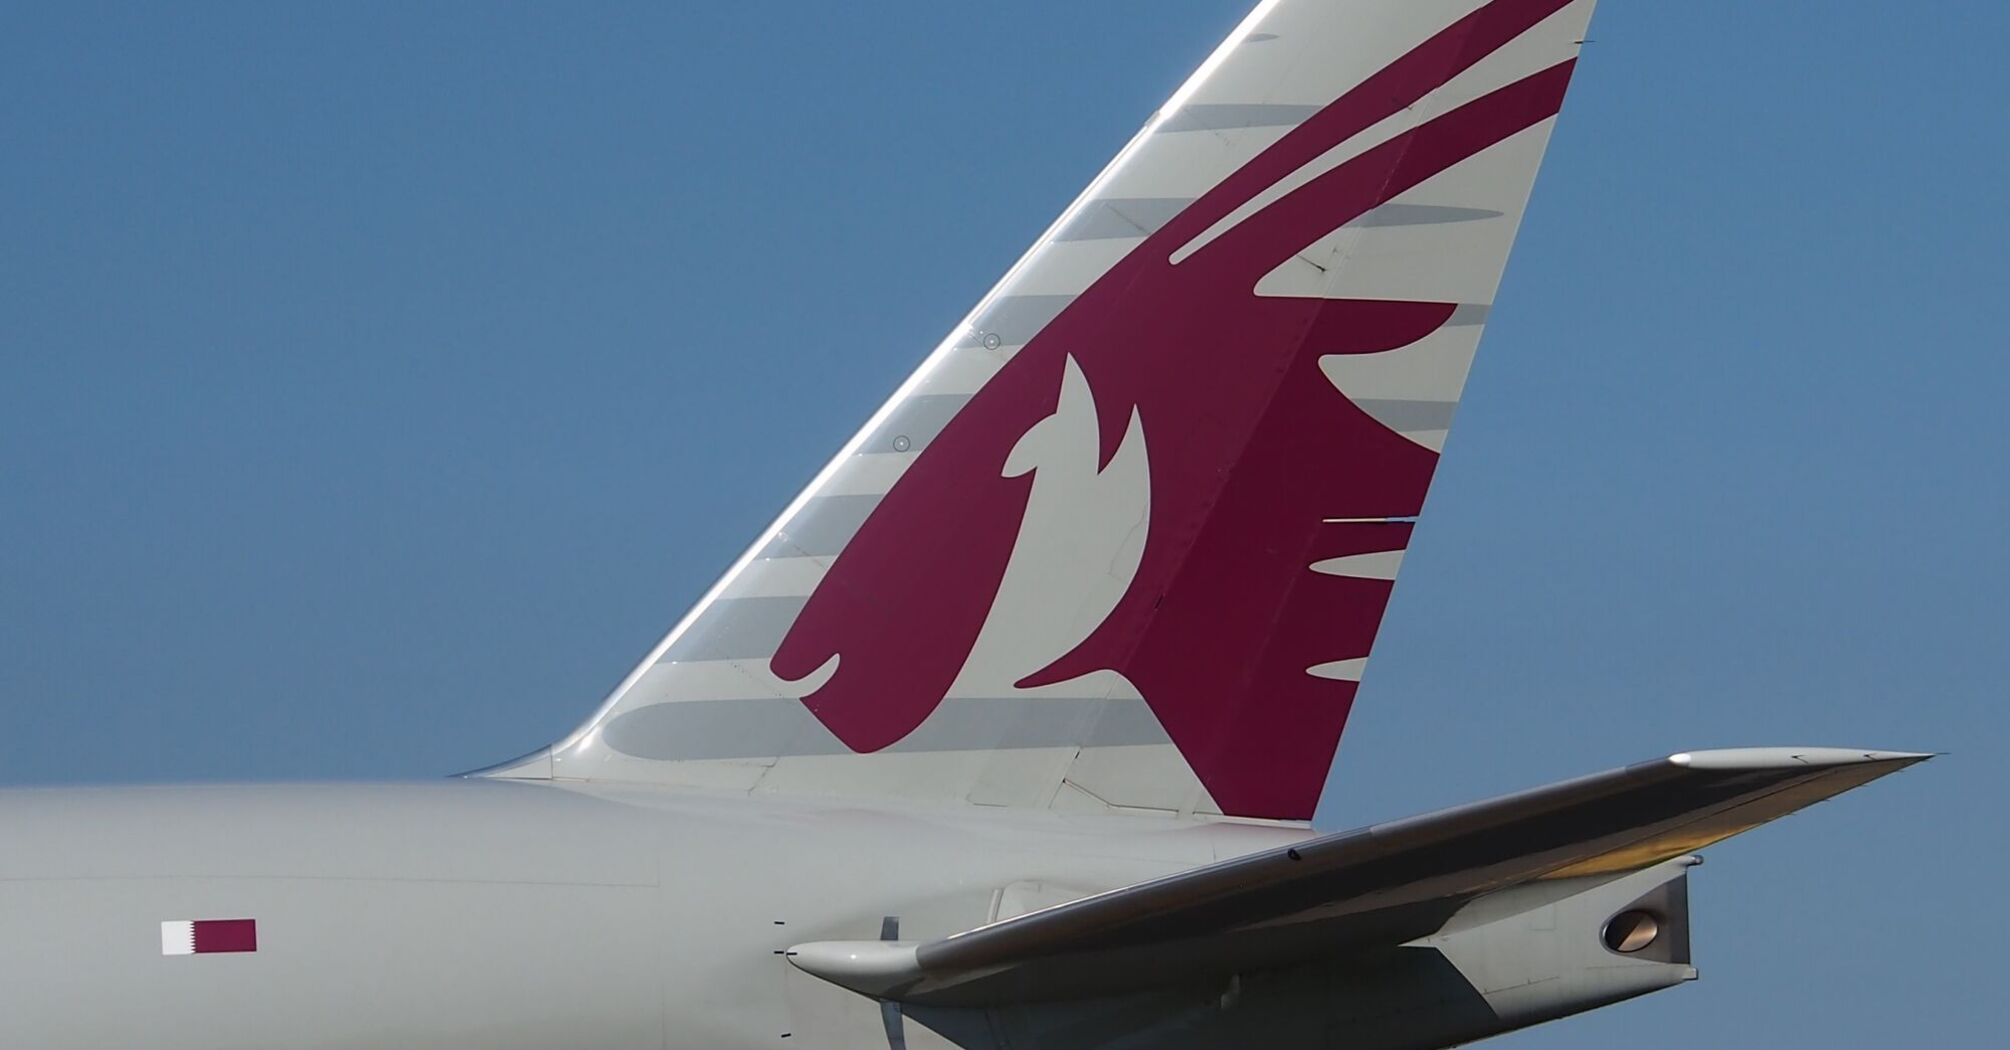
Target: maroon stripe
{"points": [[226, 935], [1397, 86], [1300, 218]]}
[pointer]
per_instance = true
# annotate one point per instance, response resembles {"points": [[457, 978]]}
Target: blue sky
{"points": [[377, 384]]}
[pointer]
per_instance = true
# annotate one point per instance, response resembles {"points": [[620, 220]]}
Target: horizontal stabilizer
{"points": [[1373, 887]]}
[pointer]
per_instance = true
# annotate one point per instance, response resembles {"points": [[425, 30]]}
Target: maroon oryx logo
{"points": [[1255, 462]]}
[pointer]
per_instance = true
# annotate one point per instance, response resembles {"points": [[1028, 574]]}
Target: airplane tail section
{"points": [[1125, 538]]}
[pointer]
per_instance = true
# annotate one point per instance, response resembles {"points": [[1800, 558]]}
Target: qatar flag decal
{"points": [[208, 936]]}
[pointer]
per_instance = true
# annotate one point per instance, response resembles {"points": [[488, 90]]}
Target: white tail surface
{"points": [[1124, 539]]}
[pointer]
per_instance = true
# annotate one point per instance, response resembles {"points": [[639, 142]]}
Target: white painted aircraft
{"points": [[1007, 732]]}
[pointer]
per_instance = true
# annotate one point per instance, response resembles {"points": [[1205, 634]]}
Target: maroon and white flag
{"points": [[206, 936]]}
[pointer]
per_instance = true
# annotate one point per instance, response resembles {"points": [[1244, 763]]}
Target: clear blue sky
{"points": [[376, 384]]}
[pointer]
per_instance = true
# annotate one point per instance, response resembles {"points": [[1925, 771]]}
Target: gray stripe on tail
{"points": [[917, 419], [823, 526], [1222, 116], [1013, 320], [1422, 215], [691, 730], [1117, 217], [737, 629]]}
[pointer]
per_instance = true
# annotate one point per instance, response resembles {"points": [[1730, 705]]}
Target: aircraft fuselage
{"points": [[437, 916]]}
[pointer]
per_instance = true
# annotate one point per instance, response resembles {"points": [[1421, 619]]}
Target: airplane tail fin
{"points": [[1124, 539]]}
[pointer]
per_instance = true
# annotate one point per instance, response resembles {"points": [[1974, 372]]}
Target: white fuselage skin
{"points": [[470, 913]]}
